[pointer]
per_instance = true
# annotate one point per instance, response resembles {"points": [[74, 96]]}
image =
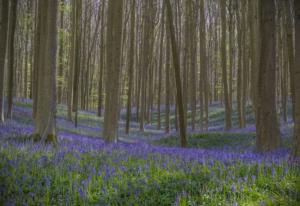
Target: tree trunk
{"points": [[160, 67], [296, 81], [113, 56], [130, 65], [267, 129], [3, 42], [224, 67], [102, 65], [168, 89], [71, 60], [11, 60], [61, 54], [46, 104], [176, 64], [77, 59], [203, 63], [290, 45]]}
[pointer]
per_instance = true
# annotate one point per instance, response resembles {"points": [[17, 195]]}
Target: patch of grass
{"points": [[232, 141]]}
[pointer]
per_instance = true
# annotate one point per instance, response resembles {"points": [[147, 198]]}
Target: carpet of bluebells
{"points": [[83, 170]]}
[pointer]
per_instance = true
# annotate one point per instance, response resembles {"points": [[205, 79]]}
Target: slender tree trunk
{"points": [[3, 42], [147, 42], [176, 65], [296, 80], [37, 40], [61, 54], [290, 45], [203, 57], [27, 53], [167, 81], [239, 69], [77, 60], [254, 48], [113, 56], [11, 58], [130, 65], [193, 59], [71, 60], [267, 128], [160, 67], [224, 67], [102, 61]]}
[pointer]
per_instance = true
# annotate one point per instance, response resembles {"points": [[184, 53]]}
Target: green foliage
{"points": [[215, 140]]}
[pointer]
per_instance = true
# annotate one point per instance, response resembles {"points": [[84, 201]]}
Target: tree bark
{"points": [[228, 123], [113, 56], [3, 44], [77, 58], [267, 129], [203, 63], [160, 67], [71, 60], [176, 64], [290, 45], [11, 59], [61, 54], [131, 64], [296, 81], [46, 104]]}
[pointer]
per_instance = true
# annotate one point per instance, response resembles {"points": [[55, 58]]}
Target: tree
{"points": [[203, 66], [224, 67], [290, 45], [113, 55], [11, 60], [176, 64], [46, 92], [77, 57], [101, 62], [3, 37], [61, 53], [296, 80], [254, 39], [160, 66], [71, 60], [167, 81], [148, 28], [131, 64], [267, 129]]}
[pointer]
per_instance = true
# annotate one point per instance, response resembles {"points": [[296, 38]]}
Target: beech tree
{"points": [[224, 67], [11, 56], [176, 65], [3, 36], [130, 65], [46, 92], [296, 75], [267, 128], [113, 42]]}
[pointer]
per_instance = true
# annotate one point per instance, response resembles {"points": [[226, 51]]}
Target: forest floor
{"points": [[144, 168]]}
